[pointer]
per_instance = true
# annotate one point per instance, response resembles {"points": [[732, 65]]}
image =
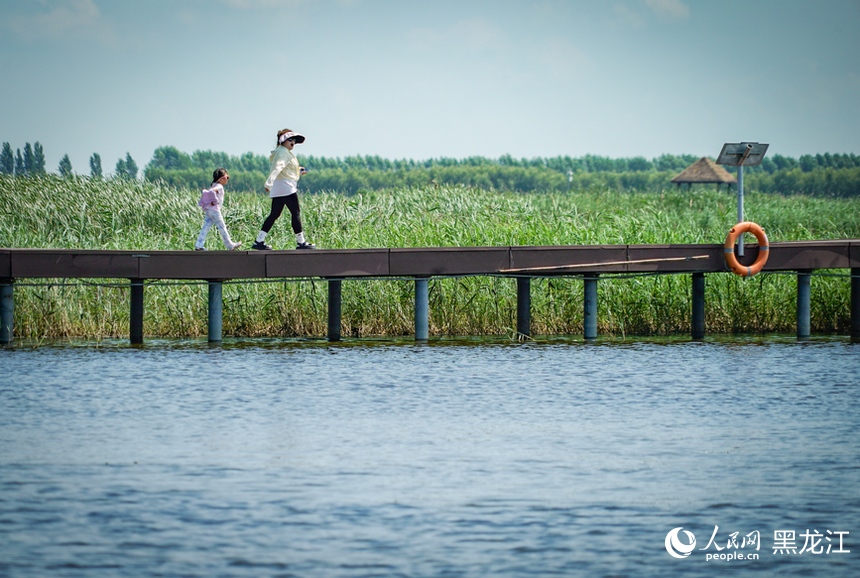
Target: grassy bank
{"points": [[93, 214]]}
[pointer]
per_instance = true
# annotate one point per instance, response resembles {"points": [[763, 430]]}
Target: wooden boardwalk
{"points": [[335, 265], [415, 262]]}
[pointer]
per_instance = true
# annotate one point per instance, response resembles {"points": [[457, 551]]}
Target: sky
{"points": [[422, 79]]}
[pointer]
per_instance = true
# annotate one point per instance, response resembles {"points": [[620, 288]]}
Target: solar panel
{"points": [[745, 154]]}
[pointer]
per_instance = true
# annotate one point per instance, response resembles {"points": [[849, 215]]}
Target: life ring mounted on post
{"points": [[763, 249]]}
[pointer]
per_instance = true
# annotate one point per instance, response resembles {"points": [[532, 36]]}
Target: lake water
{"points": [[451, 458]]}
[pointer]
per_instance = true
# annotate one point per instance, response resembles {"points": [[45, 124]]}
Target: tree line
{"points": [[32, 162], [170, 158], [824, 174]]}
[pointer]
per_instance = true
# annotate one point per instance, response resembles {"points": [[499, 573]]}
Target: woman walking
{"points": [[282, 186]]}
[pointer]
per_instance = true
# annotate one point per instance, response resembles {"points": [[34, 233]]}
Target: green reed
{"points": [[83, 213]]}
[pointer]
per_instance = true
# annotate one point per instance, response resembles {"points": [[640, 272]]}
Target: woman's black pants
{"points": [[278, 203]]}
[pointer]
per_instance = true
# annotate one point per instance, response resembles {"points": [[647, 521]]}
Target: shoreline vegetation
{"points": [[834, 175], [48, 211]]}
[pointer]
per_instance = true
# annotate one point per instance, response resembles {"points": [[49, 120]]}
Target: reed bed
{"points": [[83, 213]]}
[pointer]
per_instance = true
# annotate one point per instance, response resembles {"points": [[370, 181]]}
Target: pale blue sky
{"points": [[429, 78]]}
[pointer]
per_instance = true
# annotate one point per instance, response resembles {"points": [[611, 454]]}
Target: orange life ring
{"points": [[729, 248]]}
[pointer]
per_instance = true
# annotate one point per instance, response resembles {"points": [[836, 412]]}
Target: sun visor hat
{"points": [[299, 138]]}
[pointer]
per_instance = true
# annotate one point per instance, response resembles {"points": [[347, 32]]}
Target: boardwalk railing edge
{"points": [[417, 262]]}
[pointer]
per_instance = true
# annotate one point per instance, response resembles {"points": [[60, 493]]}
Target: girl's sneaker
{"points": [[305, 246], [236, 246], [261, 246]]}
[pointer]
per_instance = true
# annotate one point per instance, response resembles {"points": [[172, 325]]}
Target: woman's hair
{"points": [[219, 172]]}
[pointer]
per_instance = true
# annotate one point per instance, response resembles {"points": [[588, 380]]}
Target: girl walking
{"points": [[282, 186], [211, 201]]}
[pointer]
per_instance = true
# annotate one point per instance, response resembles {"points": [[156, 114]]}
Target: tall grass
{"points": [[52, 212]]}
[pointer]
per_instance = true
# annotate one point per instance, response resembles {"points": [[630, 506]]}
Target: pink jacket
{"points": [[212, 198]]}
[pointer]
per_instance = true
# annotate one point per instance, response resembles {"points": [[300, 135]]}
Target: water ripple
{"points": [[394, 459]]}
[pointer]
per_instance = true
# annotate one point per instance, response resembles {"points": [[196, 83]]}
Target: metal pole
{"points": [[7, 311], [334, 301], [855, 305], [136, 316], [216, 304], [524, 305], [590, 317], [698, 330], [422, 308], [803, 291], [740, 208]]}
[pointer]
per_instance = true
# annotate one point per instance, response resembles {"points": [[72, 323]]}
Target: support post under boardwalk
{"points": [[855, 305], [698, 329], [524, 306], [422, 310], [136, 315], [803, 290], [216, 311], [7, 311], [334, 301], [590, 304]]}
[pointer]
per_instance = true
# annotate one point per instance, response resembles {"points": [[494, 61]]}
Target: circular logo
{"points": [[676, 547]]}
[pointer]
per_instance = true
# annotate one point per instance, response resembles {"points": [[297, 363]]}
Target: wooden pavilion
{"points": [[705, 171]]}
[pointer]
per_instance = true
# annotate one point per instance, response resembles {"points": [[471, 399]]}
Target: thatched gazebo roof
{"points": [[705, 171]]}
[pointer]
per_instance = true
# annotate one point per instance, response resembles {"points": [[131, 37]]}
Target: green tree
{"points": [[768, 166], [839, 161], [208, 160], [784, 163], [29, 159], [19, 163], [807, 163], [126, 168], [38, 159], [7, 160], [666, 162], [170, 158], [130, 166], [65, 168], [96, 166], [638, 164], [251, 162]]}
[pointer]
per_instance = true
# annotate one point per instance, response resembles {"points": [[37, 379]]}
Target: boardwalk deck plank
{"points": [[411, 262]]}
